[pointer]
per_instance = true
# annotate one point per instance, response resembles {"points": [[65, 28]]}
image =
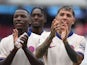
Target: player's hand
{"points": [[57, 25], [16, 39], [24, 39], [15, 35], [21, 41], [18, 43], [64, 31], [53, 31]]}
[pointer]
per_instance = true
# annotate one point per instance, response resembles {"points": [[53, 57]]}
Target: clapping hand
{"points": [[24, 39], [20, 41], [61, 28], [16, 39], [55, 27], [64, 31]]}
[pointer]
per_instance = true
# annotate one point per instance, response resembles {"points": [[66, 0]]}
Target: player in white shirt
{"points": [[38, 17], [62, 46], [14, 49]]}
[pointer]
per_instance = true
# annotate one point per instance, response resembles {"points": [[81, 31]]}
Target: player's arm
{"points": [[74, 56], [10, 57], [32, 59], [8, 60], [42, 49]]}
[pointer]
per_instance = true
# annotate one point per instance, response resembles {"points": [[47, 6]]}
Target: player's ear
{"points": [[73, 20]]}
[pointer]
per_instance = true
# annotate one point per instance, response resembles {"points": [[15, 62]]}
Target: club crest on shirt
{"points": [[31, 48]]}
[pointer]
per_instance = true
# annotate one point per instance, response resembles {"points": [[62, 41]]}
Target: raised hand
{"points": [[19, 41], [24, 39], [64, 30], [15, 35], [55, 27], [61, 28], [16, 39]]}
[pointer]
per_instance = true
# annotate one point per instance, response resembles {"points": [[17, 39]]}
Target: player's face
{"points": [[21, 19], [38, 18], [66, 17]]}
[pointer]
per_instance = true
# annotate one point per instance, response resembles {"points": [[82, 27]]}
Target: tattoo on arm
{"points": [[72, 54], [41, 50]]}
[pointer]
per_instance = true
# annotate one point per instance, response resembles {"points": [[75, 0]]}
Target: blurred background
{"points": [[8, 7]]}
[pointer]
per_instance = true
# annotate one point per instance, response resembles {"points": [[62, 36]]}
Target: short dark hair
{"points": [[42, 11], [21, 8], [68, 8]]}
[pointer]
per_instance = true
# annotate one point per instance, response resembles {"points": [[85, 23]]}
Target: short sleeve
{"points": [[81, 46], [43, 37], [2, 49]]}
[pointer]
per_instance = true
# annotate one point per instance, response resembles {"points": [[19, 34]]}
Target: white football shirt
{"points": [[20, 58], [57, 54]]}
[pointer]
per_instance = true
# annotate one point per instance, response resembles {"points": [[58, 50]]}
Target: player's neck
{"points": [[37, 30]]}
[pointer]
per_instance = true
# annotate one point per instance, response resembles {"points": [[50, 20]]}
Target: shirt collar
{"points": [[30, 30], [70, 34], [29, 33]]}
